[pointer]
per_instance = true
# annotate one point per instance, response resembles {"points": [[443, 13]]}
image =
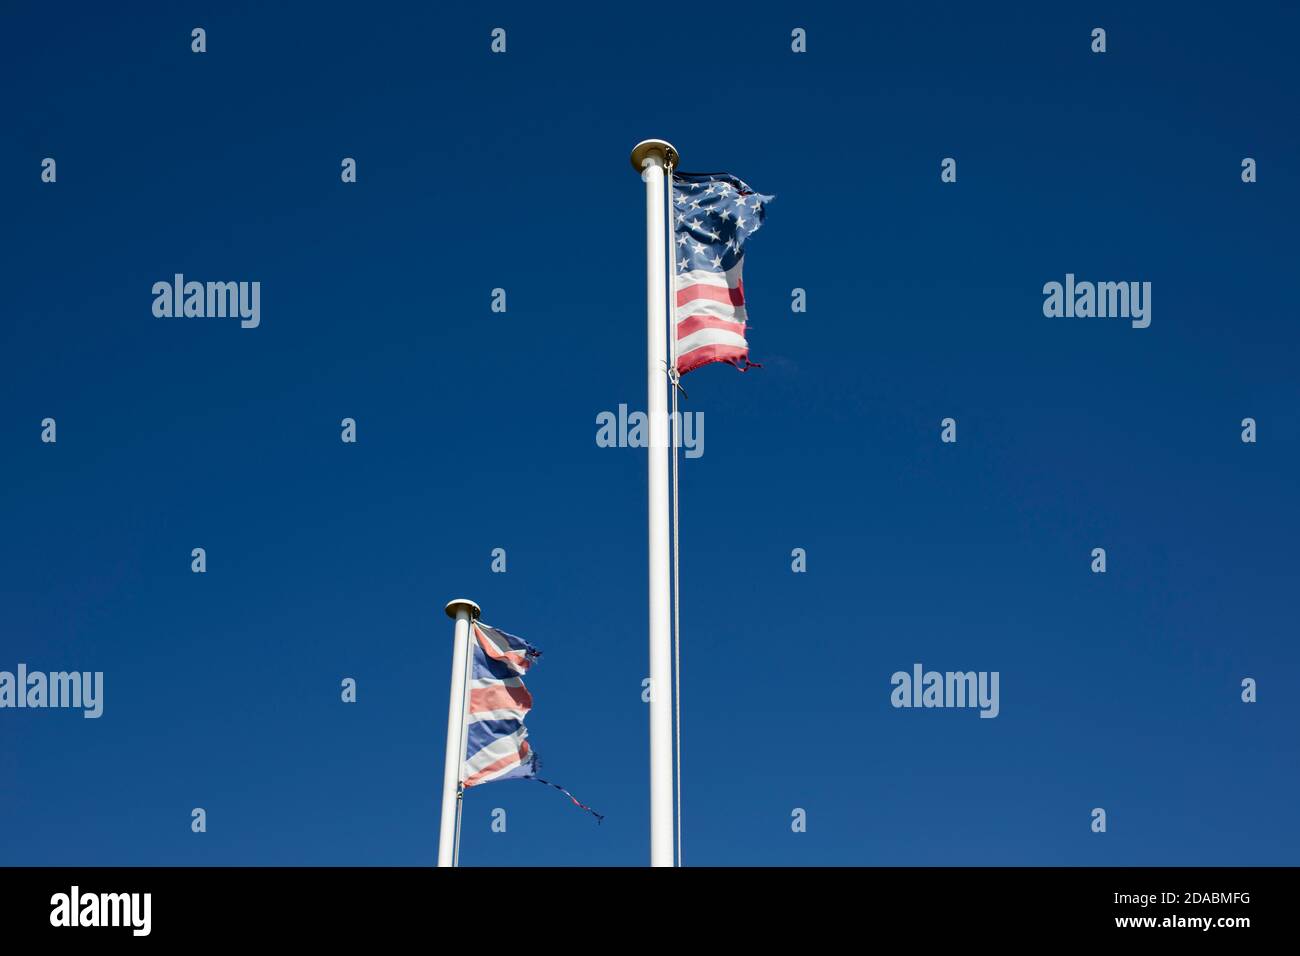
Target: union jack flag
{"points": [[496, 740], [714, 214]]}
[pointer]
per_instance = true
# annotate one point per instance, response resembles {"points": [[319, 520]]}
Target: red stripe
{"points": [[717, 293], [693, 323], [499, 697], [711, 353]]}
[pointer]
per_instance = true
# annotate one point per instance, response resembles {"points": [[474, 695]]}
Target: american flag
{"points": [[714, 214], [496, 740]]}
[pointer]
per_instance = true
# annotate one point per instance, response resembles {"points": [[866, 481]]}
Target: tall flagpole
{"points": [[463, 612], [649, 158]]}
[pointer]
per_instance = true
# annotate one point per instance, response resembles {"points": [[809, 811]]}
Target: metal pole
{"points": [[462, 611], [649, 157]]}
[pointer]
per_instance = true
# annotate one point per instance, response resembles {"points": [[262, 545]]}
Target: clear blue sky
{"points": [[477, 430]]}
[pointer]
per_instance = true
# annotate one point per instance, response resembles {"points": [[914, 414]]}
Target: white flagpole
{"points": [[649, 158], [463, 611]]}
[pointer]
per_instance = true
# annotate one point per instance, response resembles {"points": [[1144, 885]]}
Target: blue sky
{"points": [[476, 430]]}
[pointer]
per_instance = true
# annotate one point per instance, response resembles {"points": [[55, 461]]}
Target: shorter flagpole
{"points": [[463, 612]]}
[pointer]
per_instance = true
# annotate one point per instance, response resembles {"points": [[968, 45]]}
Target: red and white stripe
{"points": [[491, 699], [710, 318]]}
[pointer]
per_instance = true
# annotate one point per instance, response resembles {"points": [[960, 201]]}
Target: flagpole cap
{"points": [[454, 607], [650, 147]]}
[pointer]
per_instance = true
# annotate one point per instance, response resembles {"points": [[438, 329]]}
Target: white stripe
{"points": [[710, 337], [725, 280], [479, 683], [718, 310]]}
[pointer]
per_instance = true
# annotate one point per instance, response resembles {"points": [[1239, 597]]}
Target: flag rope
{"points": [[677, 637], [460, 804], [576, 802]]}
